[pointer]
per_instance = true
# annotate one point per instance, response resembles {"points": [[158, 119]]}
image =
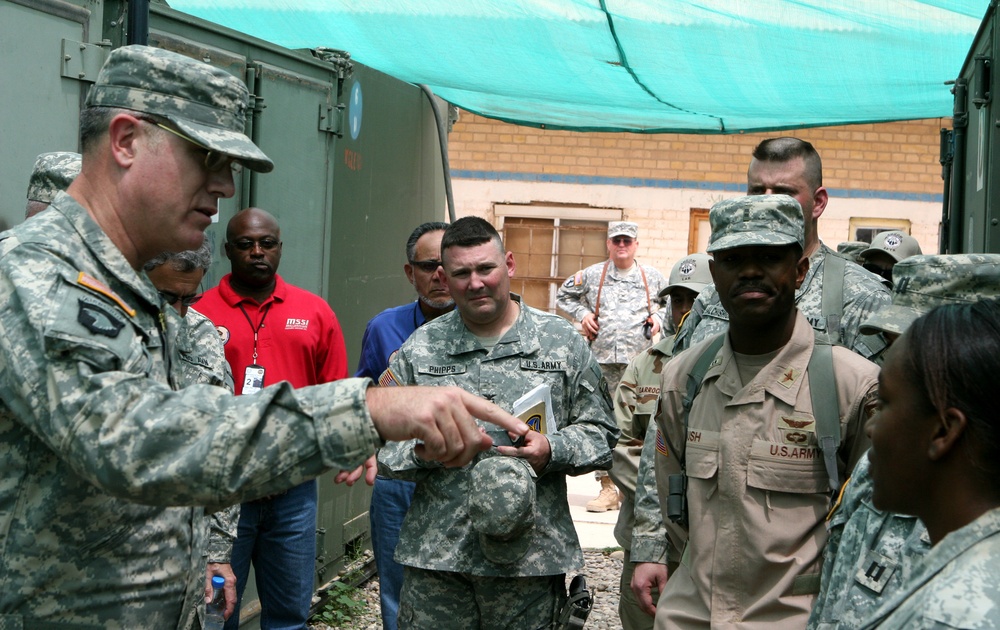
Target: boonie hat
{"points": [[501, 505], [52, 173], [897, 244], [206, 103], [756, 220], [924, 282], [690, 272], [623, 228]]}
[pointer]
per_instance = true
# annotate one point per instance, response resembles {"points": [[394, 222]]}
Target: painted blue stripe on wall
{"points": [[639, 182]]}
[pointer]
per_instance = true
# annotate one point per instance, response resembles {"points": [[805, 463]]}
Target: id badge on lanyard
{"points": [[253, 376], [253, 379]]}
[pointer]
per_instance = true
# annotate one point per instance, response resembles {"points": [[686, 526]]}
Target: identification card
{"points": [[253, 379]]}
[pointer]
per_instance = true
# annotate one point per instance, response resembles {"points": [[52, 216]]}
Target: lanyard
{"points": [[256, 329]]}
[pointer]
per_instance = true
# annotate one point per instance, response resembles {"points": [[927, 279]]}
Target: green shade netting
{"points": [[643, 65]]}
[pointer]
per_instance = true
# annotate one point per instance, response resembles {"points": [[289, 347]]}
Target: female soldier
{"points": [[936, 454]]}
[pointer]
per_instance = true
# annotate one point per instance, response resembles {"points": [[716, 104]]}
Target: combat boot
{"points": [[608, 499]]}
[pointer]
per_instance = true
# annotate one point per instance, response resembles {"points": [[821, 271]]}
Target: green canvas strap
{"points": [[826, 407], [832, 305], [695, 377]]}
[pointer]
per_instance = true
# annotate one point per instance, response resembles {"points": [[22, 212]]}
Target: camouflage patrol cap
{"points": [[690, 272], [897, 244], [501, 505], [53, 172], [923, 282], [756, 220], [623, 228], [851, 249], [205, 103]]}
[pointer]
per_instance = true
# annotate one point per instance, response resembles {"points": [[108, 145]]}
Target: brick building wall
{"points": [[878, 175]]}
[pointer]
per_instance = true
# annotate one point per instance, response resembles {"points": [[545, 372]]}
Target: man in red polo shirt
{"points": [[273, 331]]}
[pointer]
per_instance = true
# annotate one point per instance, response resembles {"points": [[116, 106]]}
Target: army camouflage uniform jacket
{"points": [[869, 556], [538, 348], [95, 447], [203, 360], [955, 586], [624, 307], [864, 294]]}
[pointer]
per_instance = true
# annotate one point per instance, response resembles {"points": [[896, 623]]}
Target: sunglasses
{"points": [[428, 266], [246, 244], [214, 161], [171, 298], [619, 240]]}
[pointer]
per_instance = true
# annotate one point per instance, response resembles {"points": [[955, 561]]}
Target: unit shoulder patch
{"points": [[98, 318]]}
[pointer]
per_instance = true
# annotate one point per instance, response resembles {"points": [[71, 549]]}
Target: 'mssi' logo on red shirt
{"points": [[296, 324]]}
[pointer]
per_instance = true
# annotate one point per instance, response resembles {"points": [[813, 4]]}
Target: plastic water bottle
{"points": [[215, 609]]}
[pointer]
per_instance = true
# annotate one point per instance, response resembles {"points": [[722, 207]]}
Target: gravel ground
{"points": [[603, 573]]}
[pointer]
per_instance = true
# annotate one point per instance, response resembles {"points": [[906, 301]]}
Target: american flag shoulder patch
{"points": [[388, 379], [661, 444]]}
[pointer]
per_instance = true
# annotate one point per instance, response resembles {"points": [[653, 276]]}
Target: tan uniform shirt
{"points": [[758, 491]]}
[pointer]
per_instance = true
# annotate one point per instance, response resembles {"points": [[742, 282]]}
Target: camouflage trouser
{"points": [[613, 373], [432, 600]]}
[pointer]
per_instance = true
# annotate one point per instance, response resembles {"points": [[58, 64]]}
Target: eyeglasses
{"points": [[215, 161], [619, 240], [171, 298], [246, 244], [428, 266]]}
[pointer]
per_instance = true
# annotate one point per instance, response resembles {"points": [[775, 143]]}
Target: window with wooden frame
{"points": [[551, 243]]}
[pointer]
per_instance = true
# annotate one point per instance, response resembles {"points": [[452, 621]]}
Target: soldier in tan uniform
{"points": [[635, 403], [836, 295], [757, 482]]}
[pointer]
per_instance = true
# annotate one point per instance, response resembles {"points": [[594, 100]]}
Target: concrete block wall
{"points": [[887, 170]]}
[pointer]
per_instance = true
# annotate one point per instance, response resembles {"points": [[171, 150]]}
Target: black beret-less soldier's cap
{"points": [[206, 104]]}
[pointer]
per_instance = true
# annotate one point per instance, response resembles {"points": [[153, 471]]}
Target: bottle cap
{"points": [[218, 581]]}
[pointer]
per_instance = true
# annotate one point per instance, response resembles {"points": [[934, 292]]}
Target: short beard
{"points": [[437, 304]]}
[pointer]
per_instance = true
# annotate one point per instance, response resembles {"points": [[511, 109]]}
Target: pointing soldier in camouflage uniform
{"points": [[177, 278], [102, 449], [613, 301], [459, 562], [836, 297], [635, 402], [774, 424], [53, 172], [935, 454], [871, 554]]}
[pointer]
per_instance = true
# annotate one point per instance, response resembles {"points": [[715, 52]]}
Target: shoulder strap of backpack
{"points": [[695, 377], [832, 305], [826, 407]]}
